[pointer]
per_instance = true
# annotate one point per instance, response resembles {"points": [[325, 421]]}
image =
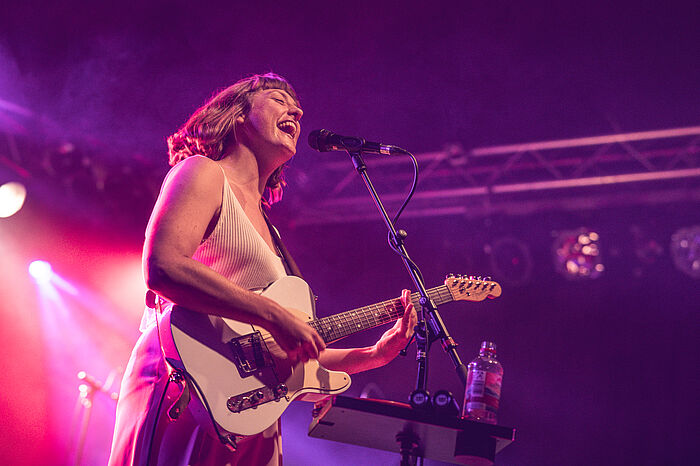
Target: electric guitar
{"points": [[247, 379]]}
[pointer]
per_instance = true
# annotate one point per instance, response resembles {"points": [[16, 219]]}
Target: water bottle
{"points": [[483, 392]]}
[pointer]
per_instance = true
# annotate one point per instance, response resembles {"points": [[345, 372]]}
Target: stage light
{"points": [[40, 270], [577, 254], [12, 196], [511, 260], [685, 250]]}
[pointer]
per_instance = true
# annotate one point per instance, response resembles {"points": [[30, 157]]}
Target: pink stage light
{"points": [[41, 271]]}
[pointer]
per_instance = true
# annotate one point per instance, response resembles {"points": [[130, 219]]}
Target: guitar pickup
{"points": [[250, 353]]}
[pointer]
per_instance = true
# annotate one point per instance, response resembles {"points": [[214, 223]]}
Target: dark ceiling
{"points": [[415, 74], [119, 78]]}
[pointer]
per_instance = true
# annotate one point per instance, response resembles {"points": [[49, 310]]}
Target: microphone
{"points": [[323, 140]]}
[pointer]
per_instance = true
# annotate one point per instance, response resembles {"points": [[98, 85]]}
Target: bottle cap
{"points": [[488, 346]]}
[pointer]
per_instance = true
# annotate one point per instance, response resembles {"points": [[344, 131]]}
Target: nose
{"points": [[296, 112]]}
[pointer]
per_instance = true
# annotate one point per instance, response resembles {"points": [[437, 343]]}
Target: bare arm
{"points": [[353, 360], [188, 201]]}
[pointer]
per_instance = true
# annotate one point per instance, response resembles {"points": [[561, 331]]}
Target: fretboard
{"points": [[337, 326]]}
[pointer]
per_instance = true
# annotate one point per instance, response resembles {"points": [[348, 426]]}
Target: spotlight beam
{"points": [[40, 270]]}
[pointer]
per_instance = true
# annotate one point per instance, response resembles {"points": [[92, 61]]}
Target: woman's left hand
{"points": [[396, 338]]}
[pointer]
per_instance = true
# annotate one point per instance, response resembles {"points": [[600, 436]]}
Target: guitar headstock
{"points": [[471, 288]]}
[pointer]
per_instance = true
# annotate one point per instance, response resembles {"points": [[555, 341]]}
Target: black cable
{"points": [[393, 244], [158, 311], [410, 262], [392, 241], [187, 377], [155, 423], [411, 191], [222, 438]]}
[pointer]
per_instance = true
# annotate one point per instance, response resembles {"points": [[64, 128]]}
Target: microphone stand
{"points": [[435, 328], [87, 390]]}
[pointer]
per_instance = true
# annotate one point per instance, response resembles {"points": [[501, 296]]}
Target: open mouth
{"points": [[288, 127]]}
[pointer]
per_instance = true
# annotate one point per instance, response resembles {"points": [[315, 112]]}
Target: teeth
{"points": [[288, 127]]}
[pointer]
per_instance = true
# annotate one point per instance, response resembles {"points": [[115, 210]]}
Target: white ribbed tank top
{"points": [[234, 249]]}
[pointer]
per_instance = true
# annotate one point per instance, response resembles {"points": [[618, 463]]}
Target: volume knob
{"points": [[281, 390]]}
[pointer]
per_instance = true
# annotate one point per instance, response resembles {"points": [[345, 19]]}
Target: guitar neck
{"points": [[337, 326]]}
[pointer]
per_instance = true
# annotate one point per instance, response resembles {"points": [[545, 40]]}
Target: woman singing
{"points": [[208, 248]]}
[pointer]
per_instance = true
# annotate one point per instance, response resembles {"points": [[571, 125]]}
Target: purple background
{"points": [[596, 372]]}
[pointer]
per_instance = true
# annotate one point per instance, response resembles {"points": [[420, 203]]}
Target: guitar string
{"points": [[380, 313], [337, 326], [340, 325], [348, 322]]}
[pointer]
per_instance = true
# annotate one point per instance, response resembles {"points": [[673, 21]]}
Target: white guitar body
{"points": [[247, 381]]}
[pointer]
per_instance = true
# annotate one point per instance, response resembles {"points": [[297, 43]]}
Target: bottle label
{"points": [[483, 394], [476, 384], [472, 405]]}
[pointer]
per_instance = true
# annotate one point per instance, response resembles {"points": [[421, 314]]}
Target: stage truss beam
{"points": [[640, 168]]}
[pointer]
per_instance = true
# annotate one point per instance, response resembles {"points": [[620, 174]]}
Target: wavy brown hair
{"points": [[210, 131]]}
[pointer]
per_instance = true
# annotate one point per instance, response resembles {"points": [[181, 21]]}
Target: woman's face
{"points": [[272, 125]]}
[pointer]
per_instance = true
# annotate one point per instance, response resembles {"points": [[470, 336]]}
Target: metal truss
{"points": [[641, 168]]}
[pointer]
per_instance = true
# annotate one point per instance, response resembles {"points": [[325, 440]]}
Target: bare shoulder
{"points": [[195, 169], [194, 176], [188, 200], [196, 182]]}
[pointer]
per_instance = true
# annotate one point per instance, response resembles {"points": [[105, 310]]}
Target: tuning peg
{"points": [[450, 275]]}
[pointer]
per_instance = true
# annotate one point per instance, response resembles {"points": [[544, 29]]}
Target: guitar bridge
{"points": [[250, 353]]}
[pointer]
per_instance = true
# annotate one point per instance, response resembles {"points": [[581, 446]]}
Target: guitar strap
{"points": [[289, 265]]}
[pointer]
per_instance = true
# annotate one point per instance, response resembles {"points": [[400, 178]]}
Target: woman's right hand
{"points": [[296, 338]]}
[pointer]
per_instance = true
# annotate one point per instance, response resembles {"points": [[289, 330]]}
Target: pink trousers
{"points": [[180, 442]]}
